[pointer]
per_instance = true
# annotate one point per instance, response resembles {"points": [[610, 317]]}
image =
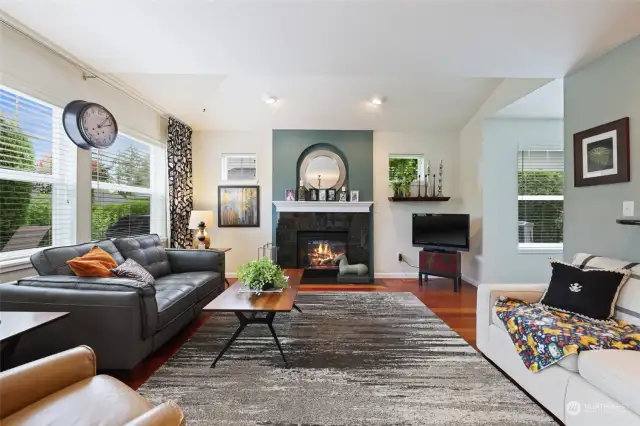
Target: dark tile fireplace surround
{"points": [[307, 239]]}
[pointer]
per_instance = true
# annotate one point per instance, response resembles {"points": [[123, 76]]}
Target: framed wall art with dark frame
{"points": [[238, 206], [601, 154]]}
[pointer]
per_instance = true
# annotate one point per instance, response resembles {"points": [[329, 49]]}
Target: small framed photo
{"points": [[355, 195], [343, 196], [290, 194], [331, 195], [313, 194], [601, 154], [322, 195]]}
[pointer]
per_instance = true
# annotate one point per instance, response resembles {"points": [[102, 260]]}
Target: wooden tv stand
{"points": [[442, 264]]}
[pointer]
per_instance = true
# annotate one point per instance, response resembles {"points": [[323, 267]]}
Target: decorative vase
{"points": [[433, 186], [439, 194], [427, 185]]}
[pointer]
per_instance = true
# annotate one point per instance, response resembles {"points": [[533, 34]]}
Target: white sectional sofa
{"points": [[593, 388]]}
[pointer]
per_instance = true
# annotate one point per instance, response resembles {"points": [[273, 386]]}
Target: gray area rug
{"points": [[356, 358]]}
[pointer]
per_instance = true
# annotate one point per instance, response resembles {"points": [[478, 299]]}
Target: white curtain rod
{"points": [[87, 72]]}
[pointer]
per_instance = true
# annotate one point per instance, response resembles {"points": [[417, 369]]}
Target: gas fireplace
{"points": [[317, 249]]}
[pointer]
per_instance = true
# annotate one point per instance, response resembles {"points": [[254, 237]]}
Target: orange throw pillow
{"points": [[96, 263]]}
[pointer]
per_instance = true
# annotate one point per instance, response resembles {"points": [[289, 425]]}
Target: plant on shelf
{"points": [[262, 275], [402, 172]]}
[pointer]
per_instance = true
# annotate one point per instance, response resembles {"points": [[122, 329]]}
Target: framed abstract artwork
{"points": [[601, 154], [238, 206]]}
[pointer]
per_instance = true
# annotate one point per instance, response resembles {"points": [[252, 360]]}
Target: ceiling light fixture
{"points": [[378, 100], [269, 99]]}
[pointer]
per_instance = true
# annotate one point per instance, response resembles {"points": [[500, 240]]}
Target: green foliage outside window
{"points": [[105, 215], [546, 215], [402, 171], [16, 153]]}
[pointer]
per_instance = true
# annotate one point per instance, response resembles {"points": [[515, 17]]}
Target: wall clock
{"points": [[89, 125]]}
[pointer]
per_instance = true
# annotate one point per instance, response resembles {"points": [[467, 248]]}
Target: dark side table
{"points": [[222, 250]]}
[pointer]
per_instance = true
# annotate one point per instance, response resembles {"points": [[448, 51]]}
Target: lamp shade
{"points": [[198, 216]]}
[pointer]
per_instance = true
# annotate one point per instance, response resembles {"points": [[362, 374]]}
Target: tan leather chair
{"points": [[63, 389]]}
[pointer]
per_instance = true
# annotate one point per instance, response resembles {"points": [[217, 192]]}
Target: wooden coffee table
{"points": [[14, 324], [240, 303]]}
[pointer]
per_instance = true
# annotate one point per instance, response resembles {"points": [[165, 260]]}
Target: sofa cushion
{"points": [[132, 270], [589, 293], [628, 304], [53, 261], [88, 402], [96, 263], [173, 298], [568, 363], [204, 282], [615, 373], [148, 251]]}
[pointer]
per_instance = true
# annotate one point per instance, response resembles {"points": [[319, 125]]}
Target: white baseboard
{"points": [[231, 275], [471, 281], [413, 275]]}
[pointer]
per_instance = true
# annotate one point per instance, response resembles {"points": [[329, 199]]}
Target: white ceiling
{"points": [[546, 102], [435, 61]]}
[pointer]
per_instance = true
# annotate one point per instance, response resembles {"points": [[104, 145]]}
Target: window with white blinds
{"points": [[128, 189], [37, 176], [239, 167], [540, 199]]}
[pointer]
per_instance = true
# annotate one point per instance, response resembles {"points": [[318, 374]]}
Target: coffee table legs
{"points": [[244, 321], [296, 308]]}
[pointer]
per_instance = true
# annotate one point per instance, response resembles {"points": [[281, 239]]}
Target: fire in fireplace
{"points": [[318, 249]]}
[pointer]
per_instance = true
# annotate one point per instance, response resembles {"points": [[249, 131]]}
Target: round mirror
{"points": [[322, 172], [322, 169]]}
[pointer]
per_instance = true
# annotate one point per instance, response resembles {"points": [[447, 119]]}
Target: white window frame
{"points": [[65, 177], [224, 167], [539, 248], [157, 190]]}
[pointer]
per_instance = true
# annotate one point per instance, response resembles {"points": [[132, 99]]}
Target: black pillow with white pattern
{"points": [[133, 270], [590, 293]]}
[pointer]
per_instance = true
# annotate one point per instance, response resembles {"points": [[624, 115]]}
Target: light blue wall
{"points": [[502, 263], [607, 89]]}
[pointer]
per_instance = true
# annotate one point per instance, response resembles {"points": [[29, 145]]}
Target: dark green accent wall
{"points": [[356, 145]]}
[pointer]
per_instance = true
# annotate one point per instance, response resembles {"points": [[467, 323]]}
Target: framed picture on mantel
{"points": [[601, 154]]}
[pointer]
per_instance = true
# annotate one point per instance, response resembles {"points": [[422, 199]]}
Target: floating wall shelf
{"points": [[628, 221], [414, 199]]}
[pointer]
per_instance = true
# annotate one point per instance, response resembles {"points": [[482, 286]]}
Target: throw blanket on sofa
{"points": [[543, 337]]}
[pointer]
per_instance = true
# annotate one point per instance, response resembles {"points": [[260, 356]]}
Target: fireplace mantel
{"points": [[323, 206]]}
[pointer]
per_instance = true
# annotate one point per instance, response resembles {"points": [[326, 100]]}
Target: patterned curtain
{"points": [[180, 182]]}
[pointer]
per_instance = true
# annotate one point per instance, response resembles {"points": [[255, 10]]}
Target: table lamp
{"points": [[198, 220]]}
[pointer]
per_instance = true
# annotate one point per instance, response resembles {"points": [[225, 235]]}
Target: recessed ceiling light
{"points": [[269, 99], [378, 100]]}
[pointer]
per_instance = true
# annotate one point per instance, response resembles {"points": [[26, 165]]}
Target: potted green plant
{"points": [[260, 275]]}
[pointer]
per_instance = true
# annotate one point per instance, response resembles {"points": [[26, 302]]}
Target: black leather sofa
{"points": [[120, 319]]}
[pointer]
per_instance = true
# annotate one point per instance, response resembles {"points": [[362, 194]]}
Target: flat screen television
{"points": [[446, 232]]}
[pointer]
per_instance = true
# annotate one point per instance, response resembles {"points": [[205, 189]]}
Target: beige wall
{"points": [[392, 221], [208, 148]]}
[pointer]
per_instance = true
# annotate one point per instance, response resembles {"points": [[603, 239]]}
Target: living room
{"points": [[207, 142]]}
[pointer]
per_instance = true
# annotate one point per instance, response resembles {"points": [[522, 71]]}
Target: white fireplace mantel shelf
{"points": [[323, 206]]}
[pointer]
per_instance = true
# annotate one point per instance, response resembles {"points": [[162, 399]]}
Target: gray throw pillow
{"points": [[133, 270]]}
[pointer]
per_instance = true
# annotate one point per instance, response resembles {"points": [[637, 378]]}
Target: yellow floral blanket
{"points": [[543, 337]]}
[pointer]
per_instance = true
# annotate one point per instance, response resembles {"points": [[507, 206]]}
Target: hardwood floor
{"points": [[458, 310]]}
